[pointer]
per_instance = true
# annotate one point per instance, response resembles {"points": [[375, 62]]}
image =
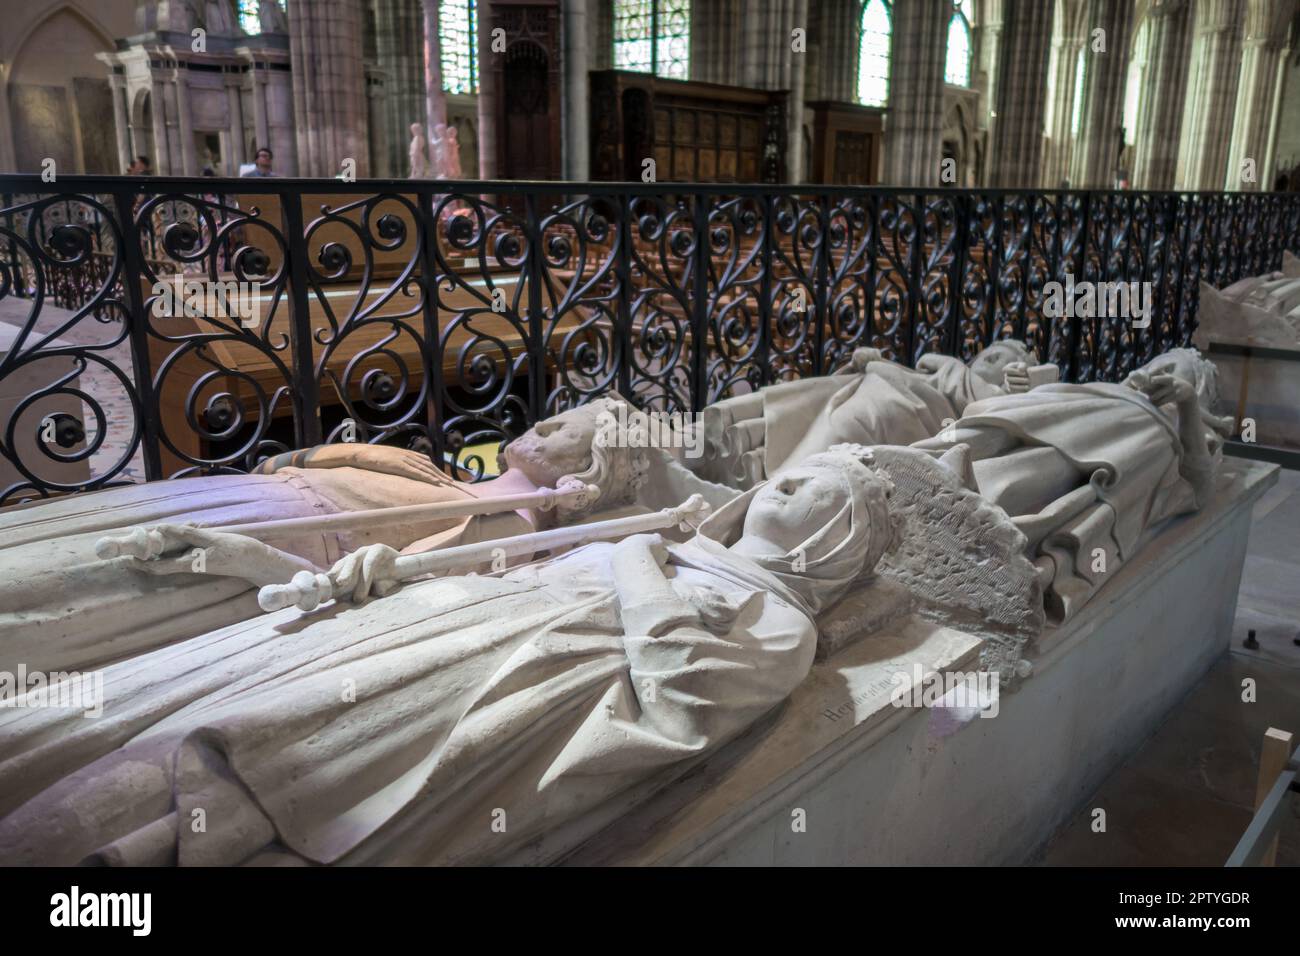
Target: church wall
{"points": [[1287, 154], [54, 94]]}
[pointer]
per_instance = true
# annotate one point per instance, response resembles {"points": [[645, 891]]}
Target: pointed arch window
{"points": [[458, 45], [873, 52], [249, 19], [653, 36], [957, 67]]}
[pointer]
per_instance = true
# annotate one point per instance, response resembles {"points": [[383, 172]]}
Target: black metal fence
{"points": [[451, 316]]}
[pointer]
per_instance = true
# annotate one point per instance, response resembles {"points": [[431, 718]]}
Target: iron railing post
{"points": [[435, 409], [821, 284], [961, 251], [306, 385], [623, 304], [763, 353], [536, 344], [915, 275], [700, 304], [133, 273]]}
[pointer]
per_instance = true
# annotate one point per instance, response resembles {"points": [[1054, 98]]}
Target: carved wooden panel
{"points": [[527, 106], [847, 143], [695, 132]]}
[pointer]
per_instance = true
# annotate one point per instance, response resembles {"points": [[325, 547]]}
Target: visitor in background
{"points": [[262, 160], [140, 167]]}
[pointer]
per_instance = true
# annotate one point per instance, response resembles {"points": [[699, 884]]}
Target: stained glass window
{"points": [[457, 32], [957, 69], [249, 21], [873, 53], [653, 36]]}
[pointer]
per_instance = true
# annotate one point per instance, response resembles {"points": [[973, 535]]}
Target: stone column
{"points": [[765, 53], [237, 137], [435, 100], [117, 86], [1096, 149], [1020, 97], [487, 95], [399, 40], [715, 41], [329, 86], [768, 62], [1263, 40], [600, 34], [261, 123], [185, 123], [1068, 37], [577, 94], [1160, 106], [1275, 119], [162, 162], [834, 31], [914, 124], [794, 154], [988, 50], [1211, 94]]}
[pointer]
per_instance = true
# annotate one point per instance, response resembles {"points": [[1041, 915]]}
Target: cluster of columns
{"points": [[326, 48], [914, 124], [1056, 72], [1016, 124], [399, 42], [1208, 105], [1160, 112]]}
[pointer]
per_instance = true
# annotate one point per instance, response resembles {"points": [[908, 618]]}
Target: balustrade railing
{"points": [[450, 316]]}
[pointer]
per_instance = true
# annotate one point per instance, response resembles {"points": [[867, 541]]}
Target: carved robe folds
{"points": [[1085, 471]]}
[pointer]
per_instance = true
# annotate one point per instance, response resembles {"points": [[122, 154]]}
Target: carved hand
{"points": [[385, 459], [1015, 378], [368, 571], [188, 549], [1162, 389], [864, 356]]}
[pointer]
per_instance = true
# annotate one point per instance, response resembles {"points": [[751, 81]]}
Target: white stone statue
{"points": [[1258, 310], [436, 135], [871, 401], [62, 607], [449, 165], [419, 161], [537, 694], [271, 17], [1086, 471], [1077, 467]]}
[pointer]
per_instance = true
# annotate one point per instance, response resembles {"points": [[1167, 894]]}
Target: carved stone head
{"points": [[565, 446]]}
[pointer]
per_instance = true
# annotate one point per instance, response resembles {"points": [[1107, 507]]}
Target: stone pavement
{"points": [[97, 381], [1187, 796]]}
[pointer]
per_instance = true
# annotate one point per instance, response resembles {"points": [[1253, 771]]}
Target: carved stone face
{"points": [[553, 448], [794, 505], [990, 363]]}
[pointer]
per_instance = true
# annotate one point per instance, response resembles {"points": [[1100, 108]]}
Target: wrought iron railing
{"points": [[450, 316]]}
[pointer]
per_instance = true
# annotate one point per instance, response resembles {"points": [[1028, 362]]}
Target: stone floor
{"points": [[96, 381], [1186, 797]]}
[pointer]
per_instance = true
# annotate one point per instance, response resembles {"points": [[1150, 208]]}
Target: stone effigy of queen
{"points": [[393, 731], [64, 607]]}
